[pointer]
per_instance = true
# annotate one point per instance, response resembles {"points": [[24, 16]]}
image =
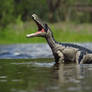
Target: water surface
{"points": [[27, 51], [41, 75], [30, 68]]}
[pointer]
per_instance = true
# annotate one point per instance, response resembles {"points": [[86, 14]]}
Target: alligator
{"points": [[62, 52]]}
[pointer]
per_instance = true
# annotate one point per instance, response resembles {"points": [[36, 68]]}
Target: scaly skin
{"points": [[63, 52]]}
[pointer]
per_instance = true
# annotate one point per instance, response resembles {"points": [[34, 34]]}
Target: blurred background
{"points": [[70, 20]]}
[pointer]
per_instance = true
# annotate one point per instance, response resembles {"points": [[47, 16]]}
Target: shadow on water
{"points": [[41, 75]]}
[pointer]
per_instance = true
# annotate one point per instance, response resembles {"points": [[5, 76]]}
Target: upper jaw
{"points": [[40, 27], [37, 20]]}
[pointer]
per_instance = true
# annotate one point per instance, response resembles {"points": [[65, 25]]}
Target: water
{"points": [[30, 68], [43, 76], [26, 51]]}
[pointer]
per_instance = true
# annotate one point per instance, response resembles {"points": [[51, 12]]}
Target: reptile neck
{"points": [[51, 41]]}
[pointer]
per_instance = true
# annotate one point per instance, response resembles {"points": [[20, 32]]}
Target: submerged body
{"points": [[63, 52]]}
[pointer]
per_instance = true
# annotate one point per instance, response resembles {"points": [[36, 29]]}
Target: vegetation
{"points": [[49, 10], [15, 17], [63, 32]]}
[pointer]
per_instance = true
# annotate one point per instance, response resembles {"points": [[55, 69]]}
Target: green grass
{"points": [[63, 32]]}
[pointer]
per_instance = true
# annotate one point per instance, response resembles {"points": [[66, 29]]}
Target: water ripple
{"points": [[25, 51]]}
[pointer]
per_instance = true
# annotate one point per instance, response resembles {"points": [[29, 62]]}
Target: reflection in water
{"points": [[33, 76], [77, 78]]}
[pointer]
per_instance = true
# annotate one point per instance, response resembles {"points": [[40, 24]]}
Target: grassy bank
{"points": [[63, 32]]}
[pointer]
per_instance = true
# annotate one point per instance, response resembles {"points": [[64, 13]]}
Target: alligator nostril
{"points": [[35, 17]]}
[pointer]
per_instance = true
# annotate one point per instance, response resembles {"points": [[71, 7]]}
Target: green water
{"points": [[41, 75]]}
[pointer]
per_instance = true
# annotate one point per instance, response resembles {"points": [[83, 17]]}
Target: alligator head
{"points": [[44, 31], [42, 28]]}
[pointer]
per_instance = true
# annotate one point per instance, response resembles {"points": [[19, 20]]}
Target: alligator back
{"points": [[76, 46]]}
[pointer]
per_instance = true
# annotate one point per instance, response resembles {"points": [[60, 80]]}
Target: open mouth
{"points": [[39, 25]]}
